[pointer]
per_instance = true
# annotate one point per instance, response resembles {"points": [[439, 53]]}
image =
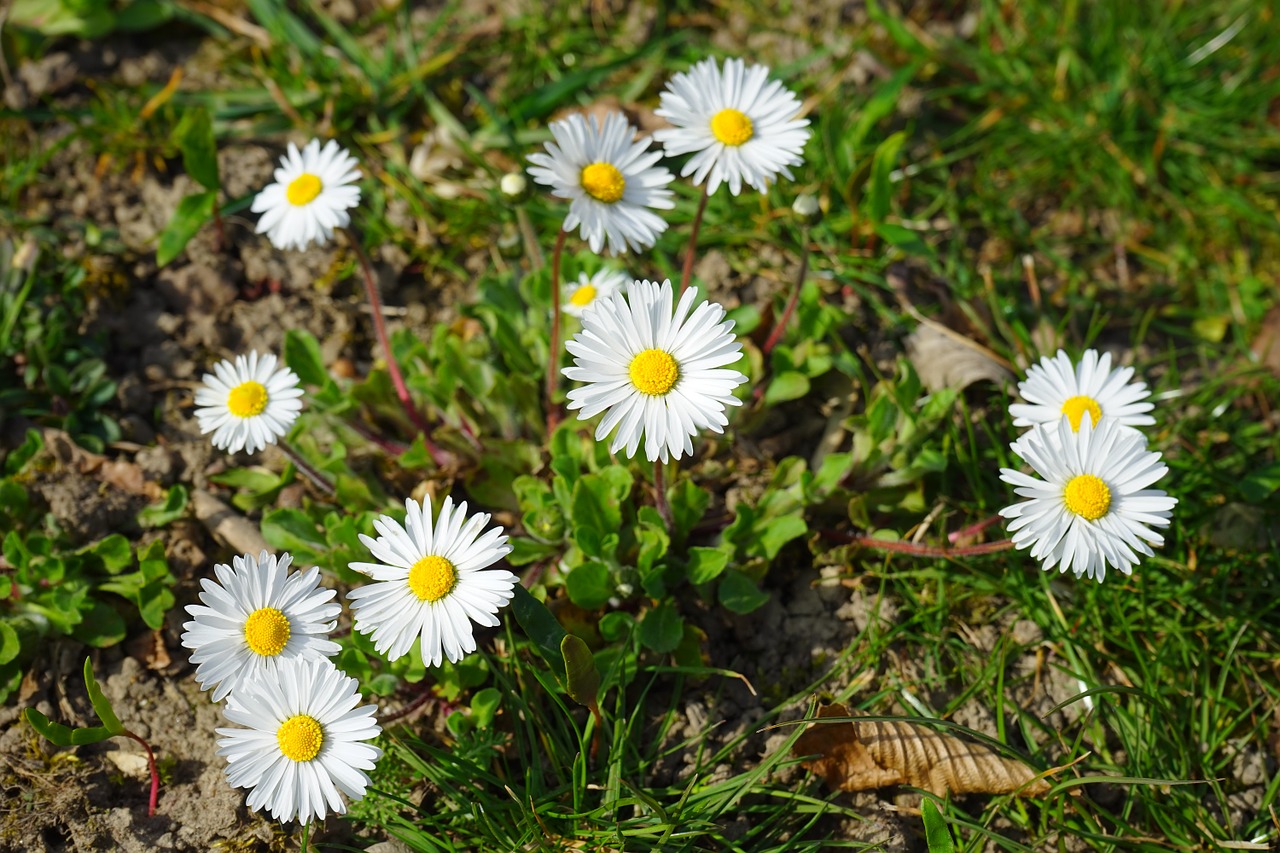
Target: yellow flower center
{"points": [[303, 189], [603, 182], [732, 127], [432, 578], [1075, 408], [266, 631], [247, 399], [583, 295], [300, 737], [1088, 497], [654, 372]]}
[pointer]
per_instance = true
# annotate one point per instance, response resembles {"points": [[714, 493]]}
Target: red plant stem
{"points": [[553, 357], [917, 550], [972, 529], [395, 448], [380, 330], [321, 481], [660, 489], [155, 774], [687, 272], [781, 325]]}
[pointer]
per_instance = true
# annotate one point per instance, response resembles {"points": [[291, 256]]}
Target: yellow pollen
{"points": [[732, 127], [603, 182], [303, 189], [300, 737], [1088, 497], [654, 372], [247, 399], [266, 631], [583, 295], [432, 578], [1075, 408]]}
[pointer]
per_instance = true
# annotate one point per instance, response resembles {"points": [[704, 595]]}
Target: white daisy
{"points": [[255, 618], [742, 126], [249, 404], [1093, 506], [304, 741], [610, 180], [579, 295], [1055, 387], [432, 582], [310, 197], [658, 373]]}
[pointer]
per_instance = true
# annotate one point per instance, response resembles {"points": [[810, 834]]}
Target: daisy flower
{"points": [[310, 197], [658, 374], [609, 179], [248, 404], [740, 126], [255, 619], [1092, 507], [432, 582], [303, 741], [1055, 387], [579, 295]]}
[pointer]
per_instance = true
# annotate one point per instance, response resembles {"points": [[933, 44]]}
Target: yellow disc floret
{"points": [[303, 189], [654, 372], [603, 182], [247, 400], [266, 631], [732, 127], [1088, 497], [1075, 408], [432, 578], [300, 737], [583, 295]]}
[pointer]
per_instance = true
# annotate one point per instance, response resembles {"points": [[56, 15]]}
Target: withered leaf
{"points": [[946, 359], [858, 756]]}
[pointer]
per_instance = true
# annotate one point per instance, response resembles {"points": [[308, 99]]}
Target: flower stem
{"points": [[311, 473], [915, 549], [781, 325], [660, 490], [972, 529], [553, 357], [380, 330], [687, 272], [531, 247], [306, 837], [155, 774]]}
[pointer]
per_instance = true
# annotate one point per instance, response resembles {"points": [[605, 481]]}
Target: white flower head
{"points": [[256, 618], [304, 741], [579, 295], [1055, 387], [657, 373], [432, 583], [1092, 507], [248, 404], [740, 126], [310, 197], [610, 180]]}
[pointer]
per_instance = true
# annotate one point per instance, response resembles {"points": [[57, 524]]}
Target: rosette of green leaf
{"points": [[65, 736]]}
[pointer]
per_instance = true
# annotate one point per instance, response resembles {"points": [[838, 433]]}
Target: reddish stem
{"points": [[155, 774], [553, 357], [687, 272], [917, 550], [380, 330], [972, 529], [781, 325]]}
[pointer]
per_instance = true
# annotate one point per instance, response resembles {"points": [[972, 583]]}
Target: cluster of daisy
{"points": [[1092, 505]]}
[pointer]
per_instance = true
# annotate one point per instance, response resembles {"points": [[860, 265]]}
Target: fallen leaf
{"points": [[946, 359], [226, 525], [1266, 345], [150, 649], [860, 755]]}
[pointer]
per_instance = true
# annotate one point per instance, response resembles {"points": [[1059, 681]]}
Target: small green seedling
{"points": [[936, 834], [111, 727]]}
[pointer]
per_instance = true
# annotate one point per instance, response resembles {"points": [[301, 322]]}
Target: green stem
{"points": [[660, 488], [781, 325], [311, 473], [553, 357]]}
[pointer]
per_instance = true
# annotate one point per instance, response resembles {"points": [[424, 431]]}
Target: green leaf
{"points": [[615, 625], [484, 706], [10, 645], [540, 627], [789, 385], [1258, 485], [56, 732], [302, 355], [739, 593], [114, 552], [882, 163], [293, 530], [936, 834], [662, 628], [102, 626], [193, 212], [589, 585], [194, 137], [173, 507], [903, 238], [582, 678], [706, 564], [21, 455], [100, 702], [688, 504], [776, 532]]}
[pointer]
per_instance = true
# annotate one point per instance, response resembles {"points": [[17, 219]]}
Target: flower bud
{"points": [[515, 185], [806, 207]]}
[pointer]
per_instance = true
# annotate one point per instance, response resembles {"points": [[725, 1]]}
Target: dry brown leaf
{"points": [[858, 756], [1266, 346], [946, 359], [226, 525]]}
